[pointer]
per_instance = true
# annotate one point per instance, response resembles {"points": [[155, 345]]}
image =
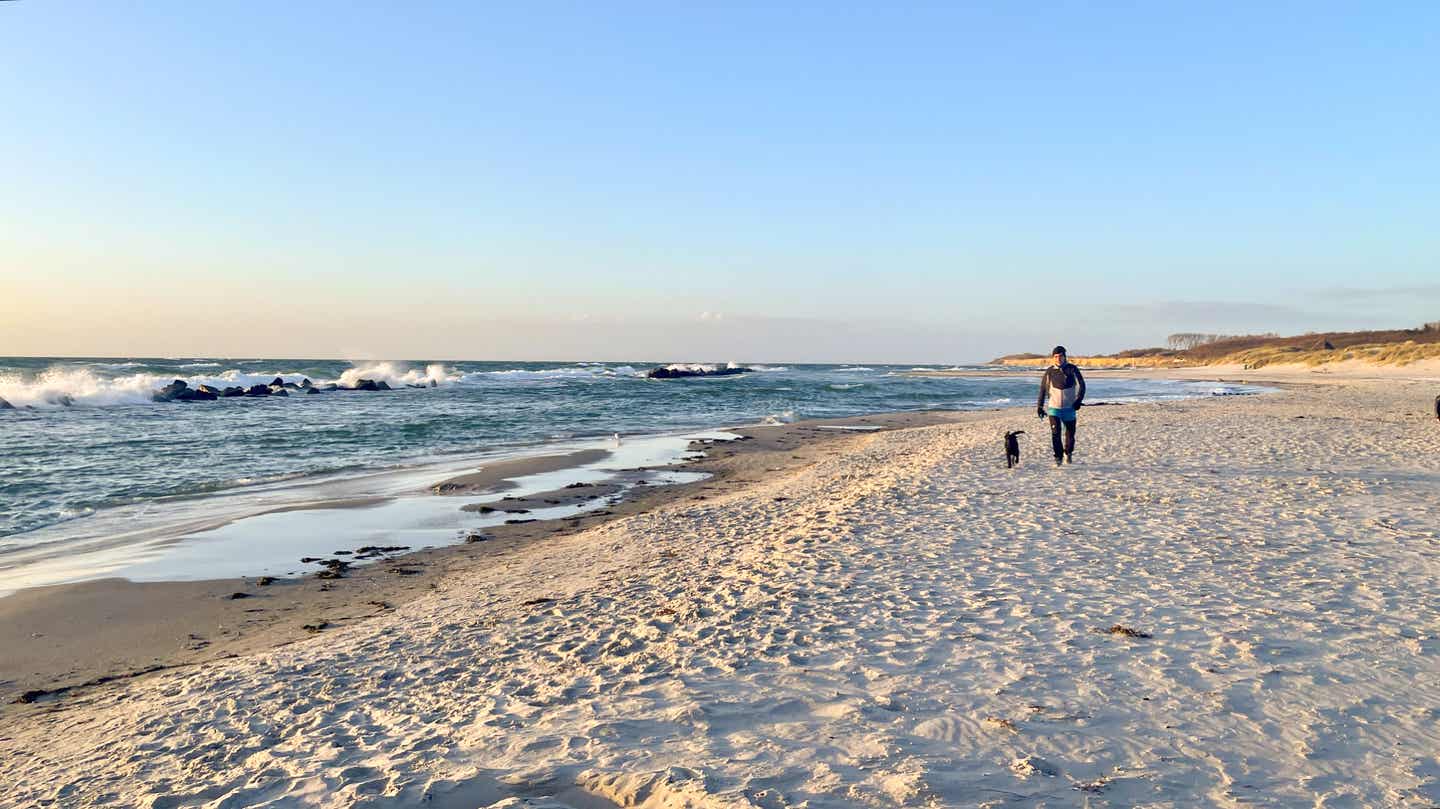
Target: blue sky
{"points": [[921, 183]]}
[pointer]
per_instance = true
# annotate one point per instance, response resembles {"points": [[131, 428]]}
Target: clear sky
{"points": [[758, 182]]}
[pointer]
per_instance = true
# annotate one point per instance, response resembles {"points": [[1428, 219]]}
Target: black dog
{"points": [[1012, 449]]}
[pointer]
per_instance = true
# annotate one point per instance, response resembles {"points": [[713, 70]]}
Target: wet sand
{"points": [[59, 639]]}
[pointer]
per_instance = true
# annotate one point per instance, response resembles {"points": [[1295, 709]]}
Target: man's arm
{"points": [[1044, 389], [1079, 380]]}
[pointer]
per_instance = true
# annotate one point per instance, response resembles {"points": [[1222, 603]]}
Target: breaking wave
{"points": [[395, 374], [83, 386], [581, 371], [783, 417]]}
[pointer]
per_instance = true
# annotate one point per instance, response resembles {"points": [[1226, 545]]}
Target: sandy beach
{"points": [[1224, 602], [63, 638]]}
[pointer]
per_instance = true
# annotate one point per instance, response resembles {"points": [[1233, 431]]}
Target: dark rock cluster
{"points": [[680, 373], [180, 390]]}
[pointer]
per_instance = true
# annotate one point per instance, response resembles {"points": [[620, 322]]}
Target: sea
{"points": [[99, 479]]}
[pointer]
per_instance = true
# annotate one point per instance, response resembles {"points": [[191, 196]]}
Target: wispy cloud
{"points": [[1206, 314], [1355, 294]]}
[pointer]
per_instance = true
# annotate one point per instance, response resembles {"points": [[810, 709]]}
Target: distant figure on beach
{"points": [[1437, 407], [1062, 391]]}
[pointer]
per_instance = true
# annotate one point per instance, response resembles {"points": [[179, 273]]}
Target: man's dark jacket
{"points": [[1062, 390]]}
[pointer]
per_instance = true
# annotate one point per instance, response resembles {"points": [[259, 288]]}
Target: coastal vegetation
{"points": [[1389, 347]]}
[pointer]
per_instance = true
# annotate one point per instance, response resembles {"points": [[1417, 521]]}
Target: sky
{"points": [[939, 182]]}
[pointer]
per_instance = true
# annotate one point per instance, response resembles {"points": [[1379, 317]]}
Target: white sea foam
{"points": [[89, 386], [396, 374], [704, 367], [783, 417], [82, 387], [580, 371], [63, 387]]}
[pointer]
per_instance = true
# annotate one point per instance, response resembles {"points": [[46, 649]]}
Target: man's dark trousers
{"points": [[1069, 445]]}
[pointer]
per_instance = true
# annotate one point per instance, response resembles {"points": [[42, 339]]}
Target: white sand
{"points": [[913, 626]]}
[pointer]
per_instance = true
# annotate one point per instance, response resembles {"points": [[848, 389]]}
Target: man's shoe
{"points": [[1058, 461], [1068, 459]]}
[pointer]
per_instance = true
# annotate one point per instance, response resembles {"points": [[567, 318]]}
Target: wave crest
{"points": [[396, 374]]}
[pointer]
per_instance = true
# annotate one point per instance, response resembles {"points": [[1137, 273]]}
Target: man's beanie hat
{"points": [[1059, 350]]}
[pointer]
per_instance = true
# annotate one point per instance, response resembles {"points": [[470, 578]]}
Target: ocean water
{"points": [[85, 441]]}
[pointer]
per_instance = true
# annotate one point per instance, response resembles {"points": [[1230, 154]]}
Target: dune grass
{"points": [[1377, 354], [1402, 353], [1390, 347]]}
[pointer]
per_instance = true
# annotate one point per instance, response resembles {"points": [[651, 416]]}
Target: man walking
{"points": [[1062, 391]]}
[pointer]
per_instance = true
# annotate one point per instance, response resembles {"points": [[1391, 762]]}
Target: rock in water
{"points": [[382, 385], [670, 372], [180, 391], [277, 382], [171, 392], [258, 390], [4, 405], [234, 391]]}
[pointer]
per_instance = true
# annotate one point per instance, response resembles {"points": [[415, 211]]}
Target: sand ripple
{"points": [[912, 625]]}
